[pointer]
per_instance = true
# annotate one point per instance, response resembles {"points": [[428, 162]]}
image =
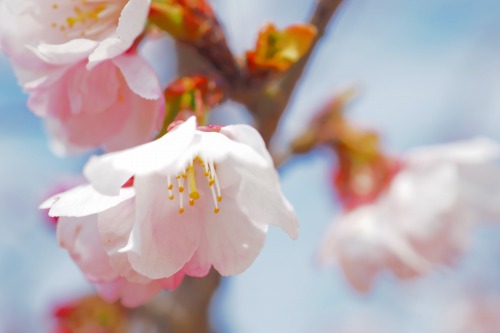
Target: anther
{"points": [[216, 210], [181, 210], [191, 202]]}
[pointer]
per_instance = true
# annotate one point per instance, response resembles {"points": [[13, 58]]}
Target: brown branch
{"points": [[184, 310], [213, 46]]}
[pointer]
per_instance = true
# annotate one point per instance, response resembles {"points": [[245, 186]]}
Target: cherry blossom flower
{"points": [[74, 82], [199, 199], [56, 28], [424, 217], [113, 276]]}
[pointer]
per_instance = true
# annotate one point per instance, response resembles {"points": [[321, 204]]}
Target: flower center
{"points": [[188, 176], [80, 19], [82, 16]]}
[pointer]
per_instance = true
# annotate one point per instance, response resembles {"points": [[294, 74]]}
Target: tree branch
{"points": [[269, 104]]}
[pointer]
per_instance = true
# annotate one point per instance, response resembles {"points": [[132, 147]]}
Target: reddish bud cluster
{"points": [[187, 96], [277, 50], [90, 314], [184, 19], [363, 170]]}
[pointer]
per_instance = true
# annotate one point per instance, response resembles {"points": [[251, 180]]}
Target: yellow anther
{"points": [[181, 210], [211, 182], [191, 202], [184, 175], [216, 210], [171, 197], [82, 16], [205, 174], [219, 198], [181, 189], [170, 187]]}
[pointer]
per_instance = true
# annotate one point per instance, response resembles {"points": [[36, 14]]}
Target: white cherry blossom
{"points": [[200, 199], [423, 219]]}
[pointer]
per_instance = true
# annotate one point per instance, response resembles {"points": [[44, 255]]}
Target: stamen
{"points": [[180, 182], [193, 193], [216, 180], [170, 187], [81, 16], [216, 210]]}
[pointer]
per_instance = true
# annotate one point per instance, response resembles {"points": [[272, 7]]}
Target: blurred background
{"points": [[429, 72]]}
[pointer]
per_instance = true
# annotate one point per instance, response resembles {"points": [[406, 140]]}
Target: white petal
{"points": [[258, 195], [479, 150], [249, 136], [109, 172], [140, 77], [115, 226], [107, 49], [130, 25], [84, 200], [230, 242], [133, 19], [79, 235], [63, 54], [162, 239]]}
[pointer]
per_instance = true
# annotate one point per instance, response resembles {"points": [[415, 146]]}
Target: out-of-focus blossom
{"points": [[423, 218], [121, 95], [58, 28], [199, 198], [90, 314], [277, 50], [474, 313], [363, 170]]}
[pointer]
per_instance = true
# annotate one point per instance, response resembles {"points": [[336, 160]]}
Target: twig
{"points": [[269, 107]]}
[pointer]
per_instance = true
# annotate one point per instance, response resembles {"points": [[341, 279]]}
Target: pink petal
{"points": [[140, 77], [131, 294], [162, 240], [230, 242], [81, 238]]}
